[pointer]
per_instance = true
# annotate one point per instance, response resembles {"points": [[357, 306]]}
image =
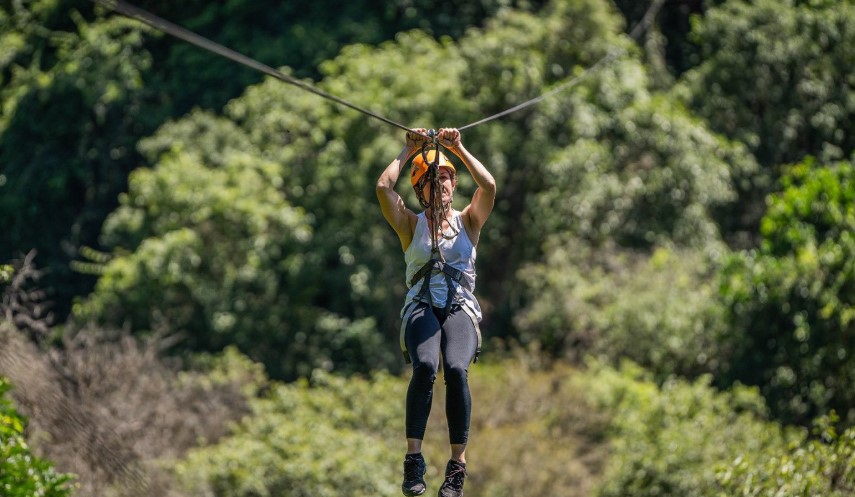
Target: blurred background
{"points": [[200, 296]]}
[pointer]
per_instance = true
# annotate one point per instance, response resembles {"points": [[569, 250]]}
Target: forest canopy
{"points": [[676, 224]]}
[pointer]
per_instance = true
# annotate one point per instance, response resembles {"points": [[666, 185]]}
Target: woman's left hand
{"points": [[449, 138]]}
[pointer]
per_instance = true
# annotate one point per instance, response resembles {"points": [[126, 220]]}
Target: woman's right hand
{"points": [[415, 140]]}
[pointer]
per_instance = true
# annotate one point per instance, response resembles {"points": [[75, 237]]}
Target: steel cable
{"points": [[167, 27]]}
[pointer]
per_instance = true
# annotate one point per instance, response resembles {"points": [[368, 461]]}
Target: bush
{"points": [[332, 436], [822, 466], [656, 309], [685, 439], [107, 408], [790, 305], [555, 431], [308, 440], [669, 440], [21, 473]]}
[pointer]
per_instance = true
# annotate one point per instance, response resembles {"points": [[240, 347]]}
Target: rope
{"points": [[563, 86], [635, 34], [167, 27], [438, 209]]}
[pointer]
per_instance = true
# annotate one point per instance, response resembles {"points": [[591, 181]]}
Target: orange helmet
{"points": [[420, 167]]}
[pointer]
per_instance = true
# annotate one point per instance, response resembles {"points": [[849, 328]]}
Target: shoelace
{"points": [[454, 478]]}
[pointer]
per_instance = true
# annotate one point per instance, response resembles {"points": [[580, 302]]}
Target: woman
{"points": [[440, 316]]}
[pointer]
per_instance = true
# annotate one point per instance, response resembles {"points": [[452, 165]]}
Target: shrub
{"points": [[686, 439], [821, 466], [107, 408], [333, 436], [669, 440], [308, 440], [656, 309], [21, 473], [790, 305]]}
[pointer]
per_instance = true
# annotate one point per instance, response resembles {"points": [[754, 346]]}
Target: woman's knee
{"points": [[455, 375], [425, 372]]}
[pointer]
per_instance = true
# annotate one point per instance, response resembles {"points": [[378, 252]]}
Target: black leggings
{"points": [[427, 335]]}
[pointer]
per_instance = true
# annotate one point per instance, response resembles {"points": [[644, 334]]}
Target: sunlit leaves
{"points": [[320, 440], [22, 474], [791, 304], [777, 76]]}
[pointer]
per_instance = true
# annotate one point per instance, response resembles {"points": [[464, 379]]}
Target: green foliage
{"points": [[673, 440], [323, 303], [816, 206], [688, 440], [332, 435], [608, 162], [21, 473], [307, 440], [635, 168], [533, 432], [221, 254], [644, 174], [641, 175], [518, 54], [298, 35], [656, 309], [254, 224], [283, 266], [67, 135], [563, 431], [775, 76], [791, 304], [821, 466], [79, 86]]}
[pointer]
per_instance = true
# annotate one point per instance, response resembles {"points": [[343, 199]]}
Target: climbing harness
{"points": [[425, 173], [439, 211], [436, 265]]}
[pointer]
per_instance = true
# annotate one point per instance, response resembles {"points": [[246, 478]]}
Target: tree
{"points": [[791, 303], [777, 77], [333, 436], [217, 252], [80, 86], [327, 290], [602, 177], [662, 170], [67, 136], [661, 440]]}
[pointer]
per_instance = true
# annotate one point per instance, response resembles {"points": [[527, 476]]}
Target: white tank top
{"points": [[458, 252]]}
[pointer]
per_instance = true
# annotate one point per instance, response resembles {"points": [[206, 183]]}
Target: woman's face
{"points": [[448, 182]]}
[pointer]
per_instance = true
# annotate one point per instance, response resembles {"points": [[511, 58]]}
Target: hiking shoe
{"points": [[414, 475], [455, 473]]}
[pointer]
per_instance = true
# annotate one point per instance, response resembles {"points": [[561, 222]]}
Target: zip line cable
{"points": [[167, 27], [563, 86], [635, 34]]}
